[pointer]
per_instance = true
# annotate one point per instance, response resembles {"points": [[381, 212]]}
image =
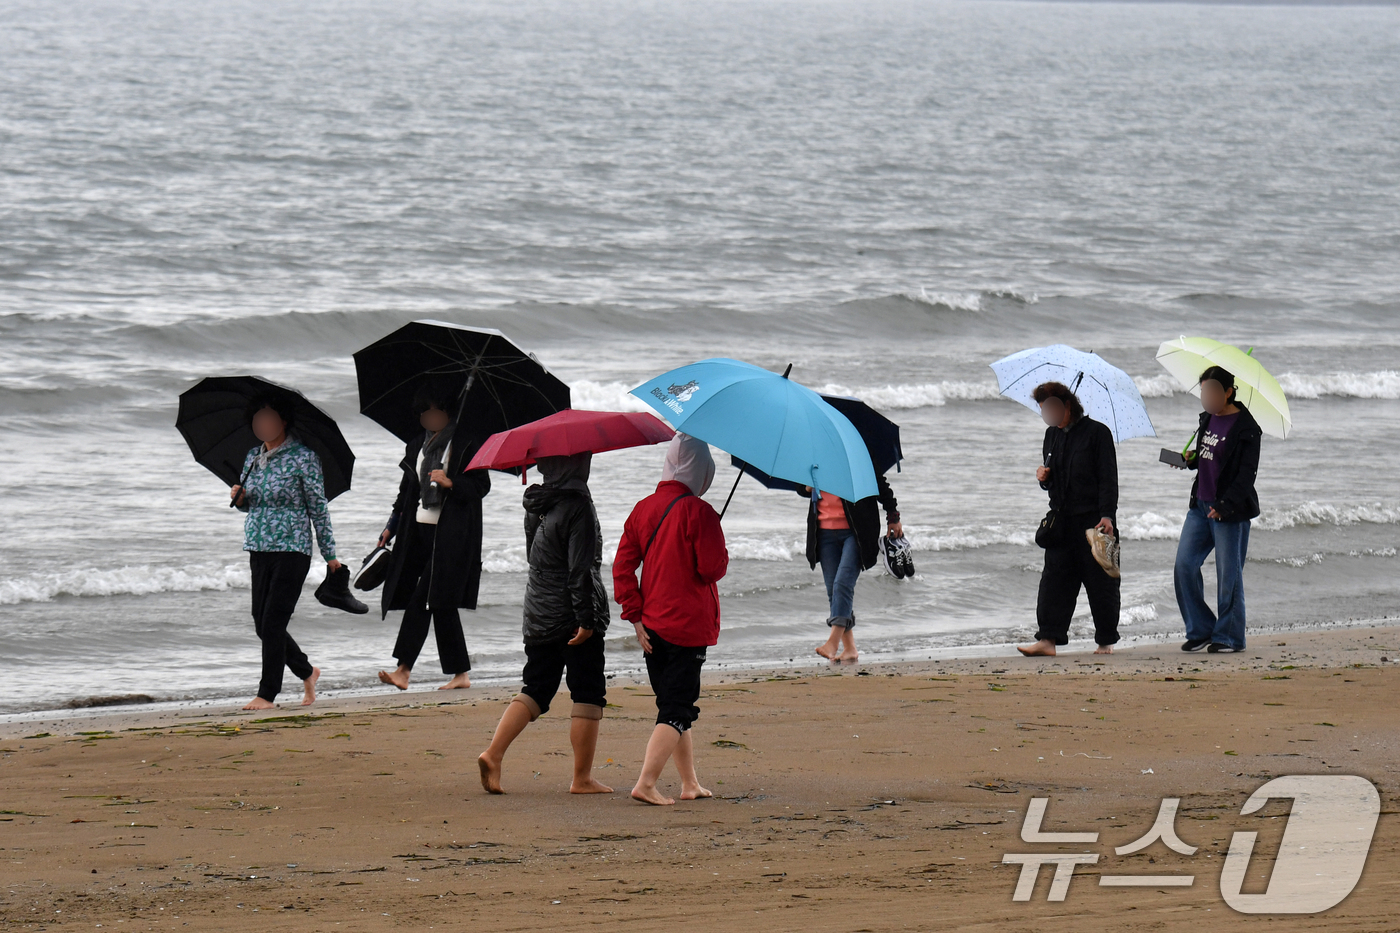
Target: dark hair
{"points": [[432, 393], [1221, 375], [1062, 392], [279, 402]]}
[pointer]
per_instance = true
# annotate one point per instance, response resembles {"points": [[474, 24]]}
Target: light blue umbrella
{"points": [[1108, 394], [782, 428]]}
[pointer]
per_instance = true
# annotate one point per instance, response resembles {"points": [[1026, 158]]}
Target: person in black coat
{"points": [[1223, 501], [844, 537], [1080, 471], [436, 521], [566, 615]]}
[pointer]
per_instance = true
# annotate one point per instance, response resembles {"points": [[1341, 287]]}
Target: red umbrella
{"points": [[569, 432]]}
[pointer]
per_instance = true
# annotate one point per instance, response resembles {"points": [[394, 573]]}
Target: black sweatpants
{"points": [[1066, 569], [277, 580], [674, 671], [545, 666], [446, 620]]}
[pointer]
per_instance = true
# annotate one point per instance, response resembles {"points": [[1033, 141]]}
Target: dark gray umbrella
{"points": [[213, 420], [498, 385]]}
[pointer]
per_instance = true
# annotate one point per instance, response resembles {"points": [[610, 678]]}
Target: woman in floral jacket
{"points": [[284, 494]]}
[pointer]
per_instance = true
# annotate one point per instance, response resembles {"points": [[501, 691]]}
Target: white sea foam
{"points": [[1317, 513], [1162, 386], [124, 581], [1149, 526], [1143, 613], [605, 396], [921, 395], [964, 301], [1383, 384]]}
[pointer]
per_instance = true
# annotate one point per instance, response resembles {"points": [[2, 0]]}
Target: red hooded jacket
{"points": [[677, 598]]}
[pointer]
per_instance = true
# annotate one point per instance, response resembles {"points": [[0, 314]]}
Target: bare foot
{"points": [[591, 786], [1104, 649], [695, 793], [460, 682], [398, 678], [490, 774], [1041, 649], [828, 651], [309, 694], [260, 703], [651, 795]]}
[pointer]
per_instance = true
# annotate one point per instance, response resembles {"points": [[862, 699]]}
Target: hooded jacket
{"points": [[1083, 469], [564, 545], [1235, 498], [681, 552], [456, 554]]}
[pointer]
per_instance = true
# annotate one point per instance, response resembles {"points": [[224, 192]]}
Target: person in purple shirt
{"points": [[1223, 500]]}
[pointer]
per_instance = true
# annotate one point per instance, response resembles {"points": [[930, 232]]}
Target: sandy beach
{"points": [[879, 798]]}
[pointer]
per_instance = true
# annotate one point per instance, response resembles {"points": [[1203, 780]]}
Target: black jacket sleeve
{"points": [[1045, 447], [1107, 463], [887, 499], [1238, 497], [583, 543]]}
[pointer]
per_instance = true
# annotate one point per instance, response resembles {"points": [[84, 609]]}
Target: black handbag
{"points": [[1051, 532]]}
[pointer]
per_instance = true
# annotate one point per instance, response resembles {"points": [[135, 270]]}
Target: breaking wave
{"points": [[125, 581]]}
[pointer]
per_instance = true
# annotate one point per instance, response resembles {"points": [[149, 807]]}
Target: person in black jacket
{"points": [[566, 615], [1223, 500], [436, 520], [1080, 471], [844, 537]]}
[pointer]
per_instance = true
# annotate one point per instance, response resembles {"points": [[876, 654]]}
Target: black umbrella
{"points": [[881, 436], [498, 385], [214, 423]]}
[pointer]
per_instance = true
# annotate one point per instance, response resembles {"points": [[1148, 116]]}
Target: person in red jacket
{"points": [[676, 538]]}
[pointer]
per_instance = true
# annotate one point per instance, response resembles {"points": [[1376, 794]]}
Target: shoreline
{"points": [[852, 799], [962, 659]]}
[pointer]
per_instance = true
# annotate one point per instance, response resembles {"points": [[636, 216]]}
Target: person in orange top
{"points": [[844, 537]]}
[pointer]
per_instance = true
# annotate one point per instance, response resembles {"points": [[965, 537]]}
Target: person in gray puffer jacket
{"points": [[566, 614]]}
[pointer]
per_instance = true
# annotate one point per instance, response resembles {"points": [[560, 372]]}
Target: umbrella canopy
{"points": [[782, 428], [214, 423], [1187, 357], [497, 384], [1108, 394], [569, 432], [881, 436]]}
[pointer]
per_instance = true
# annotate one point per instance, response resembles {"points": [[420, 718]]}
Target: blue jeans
{"points": [[1230, 541], [840, 557]]}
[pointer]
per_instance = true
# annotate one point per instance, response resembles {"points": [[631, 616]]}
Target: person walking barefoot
{"points": [[283, 492], [675, 537], [435, 569], [565, 617]]}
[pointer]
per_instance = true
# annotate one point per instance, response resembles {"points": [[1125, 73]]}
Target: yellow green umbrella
{"points": [[1187, 357]]}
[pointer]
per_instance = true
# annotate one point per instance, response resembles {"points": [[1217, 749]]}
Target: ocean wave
{"points": [[1144, 613], [954, 301], [1149, 526], [1382, 384], [125, 581], [1162, 386], [605, 396], [1317, 513], [922, 395]]}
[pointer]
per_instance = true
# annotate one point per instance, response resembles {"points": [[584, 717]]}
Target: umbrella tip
{"points": [[788, 370]]}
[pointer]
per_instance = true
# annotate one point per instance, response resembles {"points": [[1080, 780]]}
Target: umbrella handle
{"points": [[1188, 443], [242, 481], [731, 495]]}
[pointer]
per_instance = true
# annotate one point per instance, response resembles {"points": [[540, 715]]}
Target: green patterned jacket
{"points": [[284, 498]]}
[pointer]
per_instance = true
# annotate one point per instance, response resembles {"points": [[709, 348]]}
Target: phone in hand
{"points": [[1173, 458]]}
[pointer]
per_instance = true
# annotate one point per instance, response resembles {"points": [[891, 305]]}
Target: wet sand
{"points": [[876, 799]]}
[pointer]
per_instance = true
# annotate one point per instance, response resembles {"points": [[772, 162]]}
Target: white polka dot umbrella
{"points": [[1107, 393]]}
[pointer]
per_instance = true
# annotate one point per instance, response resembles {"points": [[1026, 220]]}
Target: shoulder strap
{"points": [[659, 522]]}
